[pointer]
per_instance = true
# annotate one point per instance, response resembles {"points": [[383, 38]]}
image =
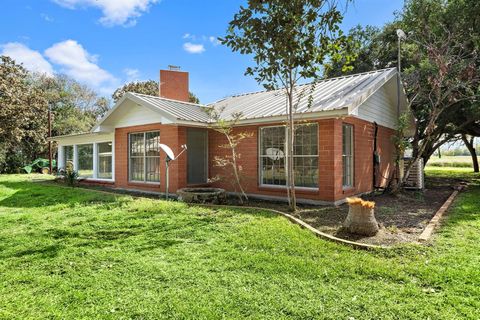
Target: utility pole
{"points": [[49, 136]]}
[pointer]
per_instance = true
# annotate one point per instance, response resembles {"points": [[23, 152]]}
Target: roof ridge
{"points": [[306, 84], [167, 99]]}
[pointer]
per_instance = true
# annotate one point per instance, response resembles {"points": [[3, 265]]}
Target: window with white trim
{"points": [[85, 160], [144, 156], [347, 155], [104, 160], [273, 155]]}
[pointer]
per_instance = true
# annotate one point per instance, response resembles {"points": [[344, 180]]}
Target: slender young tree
{"points": [[289, 41], [229, 161]]}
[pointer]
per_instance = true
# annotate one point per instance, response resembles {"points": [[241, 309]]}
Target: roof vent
{"points": [[173, 68]]}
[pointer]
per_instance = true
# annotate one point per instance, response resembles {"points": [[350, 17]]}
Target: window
{"points": [[273, 160], [144, 162], [68, 157], [347, 155], [85, 160], [305, 156], [104, 160], [272, 156]]}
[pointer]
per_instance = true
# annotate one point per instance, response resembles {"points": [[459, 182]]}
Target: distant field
{"points": [[450, 161]]}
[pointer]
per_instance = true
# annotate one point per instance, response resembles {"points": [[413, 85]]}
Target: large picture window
{"points": [[347, 155], [273, 156], [104, 160], [68, 157], [85, 160], [144, 158]]}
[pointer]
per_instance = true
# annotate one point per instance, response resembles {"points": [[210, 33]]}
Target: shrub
{"points": [[450, 164], [70, 177]]}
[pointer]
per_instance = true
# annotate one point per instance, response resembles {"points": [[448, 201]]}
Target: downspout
{"points": [[376, 159]]}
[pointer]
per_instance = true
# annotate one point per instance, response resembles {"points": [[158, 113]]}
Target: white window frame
{"points": [[351, 156], [62, 158], [97, 158], [260, 157], [93, 159], [144, 181]]}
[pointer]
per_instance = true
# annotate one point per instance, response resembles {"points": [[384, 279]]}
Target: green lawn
{"points": [[450, 161], [74, 253]]}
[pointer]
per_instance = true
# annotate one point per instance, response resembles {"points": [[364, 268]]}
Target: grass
{"points": [[77, 254], [450, 161]]}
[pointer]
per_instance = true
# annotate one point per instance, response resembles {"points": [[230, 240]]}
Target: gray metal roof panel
{"points": [[178, 109], [329, 94]]}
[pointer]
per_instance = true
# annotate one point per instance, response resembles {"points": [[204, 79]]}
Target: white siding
{"points": [[132, 114], [381, 107], [85, 138]]}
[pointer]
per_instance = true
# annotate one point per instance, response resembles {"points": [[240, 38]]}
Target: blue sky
{"points": [[105, 43]]}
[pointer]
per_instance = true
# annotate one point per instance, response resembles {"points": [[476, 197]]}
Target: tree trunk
{"points": [[361, 218], [291, 139], [469, 144]]}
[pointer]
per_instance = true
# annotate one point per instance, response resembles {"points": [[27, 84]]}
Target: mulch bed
{"points": [[402, 217]]}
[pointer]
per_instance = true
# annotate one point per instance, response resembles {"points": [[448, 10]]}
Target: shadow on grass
{"points": [[49, 251], [37, 195]]}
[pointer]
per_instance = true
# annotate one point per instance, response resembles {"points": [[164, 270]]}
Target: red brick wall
{"points": [[330, 159], [171, 135], [174, 85], [330, 178]]}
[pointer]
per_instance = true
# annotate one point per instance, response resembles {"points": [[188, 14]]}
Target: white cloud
{"points": [[188, 36], [77, 63], [31, 59], [46, 17], [115, 12], [193, 48], [132, 74], [214, 40]]}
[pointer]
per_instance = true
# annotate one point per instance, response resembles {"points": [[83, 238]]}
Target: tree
{"points": [[148, 87], [23, 110], [75, 107], [289, 41], [468, 141], [440, 60], [229, 161], [193, 98], [443, 78]]}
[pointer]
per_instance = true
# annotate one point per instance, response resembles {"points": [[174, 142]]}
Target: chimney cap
{"points": [[173, 68]]}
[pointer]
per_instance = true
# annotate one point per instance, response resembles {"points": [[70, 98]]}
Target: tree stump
{"points": [[361, 218]]}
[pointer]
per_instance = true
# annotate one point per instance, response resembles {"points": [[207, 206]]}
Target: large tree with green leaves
{"points": [[23, 111], [290, 41], [440, 59]]}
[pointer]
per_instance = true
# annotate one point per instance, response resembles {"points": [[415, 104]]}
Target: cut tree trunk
{"points": [[471, 148], [361, 218]]}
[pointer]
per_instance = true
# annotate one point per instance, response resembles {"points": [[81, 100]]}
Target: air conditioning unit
{"points": [[416, 178]]}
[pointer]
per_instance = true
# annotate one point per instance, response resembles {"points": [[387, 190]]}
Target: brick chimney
{"points": [[174, 84]]}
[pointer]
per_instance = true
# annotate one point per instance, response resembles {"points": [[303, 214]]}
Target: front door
{"points": [[197, 156]]}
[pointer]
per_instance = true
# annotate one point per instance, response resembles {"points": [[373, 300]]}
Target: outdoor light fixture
{"points": [[401, 34], [170, 157]]}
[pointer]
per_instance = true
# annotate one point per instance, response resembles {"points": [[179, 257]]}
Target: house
{"points": [[343, 143]]}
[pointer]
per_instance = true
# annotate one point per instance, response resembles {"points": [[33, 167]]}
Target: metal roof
{"points": [[335, 94], [329, 94], [177, 109]]}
